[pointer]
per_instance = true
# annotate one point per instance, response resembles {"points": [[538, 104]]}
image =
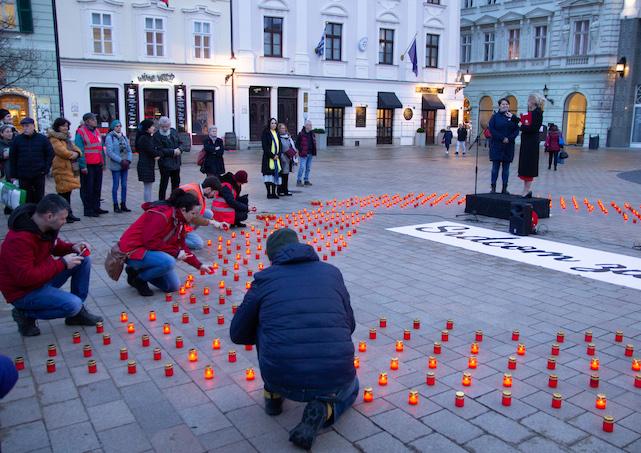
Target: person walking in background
{"points": [[6, 138], [553, 145], [306, 146], [288, 152], [120, 156], [214, 164], [447, 139], [65, 167], [89, 141], [270, 167], [156, 241], [504, 128], [461, 138], [529, 153], [299, 315], [147, 157], [30, 158], [168, 145]]}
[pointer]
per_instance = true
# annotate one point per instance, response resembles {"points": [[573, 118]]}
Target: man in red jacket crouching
{"points": [[34, 264]]}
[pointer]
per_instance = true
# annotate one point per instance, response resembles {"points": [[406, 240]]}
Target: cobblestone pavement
{"points": [[388, 275]]}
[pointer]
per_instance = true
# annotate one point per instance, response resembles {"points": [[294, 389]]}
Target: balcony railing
{"points": [[572, 61]]}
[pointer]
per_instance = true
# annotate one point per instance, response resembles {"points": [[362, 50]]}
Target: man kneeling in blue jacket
{"points": [[298, 314]]}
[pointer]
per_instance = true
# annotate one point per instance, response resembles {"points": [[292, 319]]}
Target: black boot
{"points": [[83, 318], [504, 191], [314, 416], [274, 194], [132, 274], [269, 190], [72, 218], [124, 208], [273, 403], [28, 327], [117, 208], [493, 189]]}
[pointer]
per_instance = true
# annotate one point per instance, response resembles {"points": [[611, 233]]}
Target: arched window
{"points": [[17, 105], [486, 108], [576, 105], [467, 110], [514, 104]]}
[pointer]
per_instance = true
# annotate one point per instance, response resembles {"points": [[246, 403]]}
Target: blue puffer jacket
{"points": [[298, 314]]}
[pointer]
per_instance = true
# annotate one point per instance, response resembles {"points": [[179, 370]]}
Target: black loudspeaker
{"points": [[521, 219]]}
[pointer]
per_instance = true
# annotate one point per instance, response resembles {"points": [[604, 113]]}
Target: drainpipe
{"points": [[57, 44]]}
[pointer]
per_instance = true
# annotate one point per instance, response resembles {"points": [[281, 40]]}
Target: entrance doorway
{"points": [[334, 117], [259, 108], [156, 103], [576, 105], [202, 115], [288, 108], [17, 105], [429, 124], [384, 119]]}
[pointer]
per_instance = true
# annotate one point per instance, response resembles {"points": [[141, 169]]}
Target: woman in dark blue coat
{"points": [[504, 128]]}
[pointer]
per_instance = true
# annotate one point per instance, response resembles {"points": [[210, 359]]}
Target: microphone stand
{"points": [[476, 179]]}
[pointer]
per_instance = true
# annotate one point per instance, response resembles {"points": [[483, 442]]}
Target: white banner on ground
{"points": [[604, 266]]}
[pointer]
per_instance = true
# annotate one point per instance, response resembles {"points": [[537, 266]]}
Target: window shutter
{"points": [[25, 16]]}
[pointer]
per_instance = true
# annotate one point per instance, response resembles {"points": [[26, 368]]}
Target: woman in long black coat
{"points": [[530, 139], [270, 167], [147, 156], [504, 128], [214, 147]]}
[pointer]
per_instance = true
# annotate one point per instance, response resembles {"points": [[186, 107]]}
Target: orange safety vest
{"points": [[222, 211], [197, 190], [92, 144]]}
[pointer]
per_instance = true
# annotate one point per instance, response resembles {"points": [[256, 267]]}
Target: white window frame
{"points": [[155, 32], [438, 50], [202, 35], [487, 55], [342, 40], [581, 38], [394, 36], [16, 19], [466, 48], [513, 43], [101, 27], [540, 41]]}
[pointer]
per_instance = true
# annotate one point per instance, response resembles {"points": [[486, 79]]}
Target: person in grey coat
{"points": [[147, 156], [120, 155], [286, 159], [168, 144]]}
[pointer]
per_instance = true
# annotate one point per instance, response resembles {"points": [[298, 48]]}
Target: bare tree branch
{"points": [[18, 63]]}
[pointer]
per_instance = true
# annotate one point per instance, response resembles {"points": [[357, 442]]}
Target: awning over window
{"points": [[388, 100], [337, 98], [432, 102]]}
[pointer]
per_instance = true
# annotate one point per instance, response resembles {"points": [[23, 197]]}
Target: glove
{"points": [[124, 164]]}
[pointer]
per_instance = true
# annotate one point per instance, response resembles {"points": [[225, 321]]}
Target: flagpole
{"points": [[410, 45]]}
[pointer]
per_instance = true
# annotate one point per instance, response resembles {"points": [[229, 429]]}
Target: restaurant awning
{"points": [[337, 98], [388, 100], [432, 102]]}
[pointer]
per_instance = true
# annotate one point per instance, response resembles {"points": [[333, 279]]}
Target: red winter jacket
{"points": [[27, 255], [160, 228]]}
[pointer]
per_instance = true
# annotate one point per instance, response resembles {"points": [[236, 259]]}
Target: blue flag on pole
{"points": [[320, 48], [412, 54]]}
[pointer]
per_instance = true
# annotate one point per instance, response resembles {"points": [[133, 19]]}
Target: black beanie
{"points": [[145, 125], [3, 113], [279, 239]]}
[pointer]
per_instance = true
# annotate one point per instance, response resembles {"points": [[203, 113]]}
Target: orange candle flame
{"points": [[215, 344], [467, 379], [209, 372], [394, 363], [399, 346], [507, 380], [594, 364], [362, 346], [636, 364], [432, 363], [152, 315], [472, 362], [250, 374], [413, 398], [193, 355], [368, 395], [166, 329], [131, 328], [357, 362], [474, 349], [520, 349], [601, 401], [382, 378], [124, 317]]}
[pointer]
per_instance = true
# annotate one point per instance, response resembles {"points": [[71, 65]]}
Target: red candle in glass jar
{"points": [[416, 324], [131, 367], [555, 349], [629, 350], [472, 362], [449, 324], [399, 346], [382, 323], [76, 337], [145, 340], [200, 331], [637, 381], [516, 335], [166, 328], [430, 378], [507, 380], [382, 378], [124, 354], [52, 351], [362, 346], [193, 355], [249, 347], [152, 315], [520, 349], [551, 363], [601, 401], [205, 309], [608, 423], [51, 366], [459, 399], [234, 309], [511, 363], [591, 348], [368, 395], [594, 381], [185, 318], [618, 336], [231, 356], [249, 272], [168, 297], [412, 398], [228, 292], [594, 364], [357, 362], [445, 335], [124, 317], [221, 300], [553, 381], [106, 339], [407, 334], [437, 347], [19, 363], [192, 298], [557, 400], [467, 379], [92, 367], [220, 319], [179, 342], [372, 334], [560, 336], [588, 336], [432, 363], [636, 365], [100, 328], [506, 399], [157, 354], [131, 328], [175, 308], [478, 335], [393, 363], [474, 348], [169, 369], [87, 351], [209, 372]]}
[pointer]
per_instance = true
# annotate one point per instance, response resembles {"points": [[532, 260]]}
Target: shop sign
{"points": [[181, 107], [131, 106], [429, 90], [161, 77]]}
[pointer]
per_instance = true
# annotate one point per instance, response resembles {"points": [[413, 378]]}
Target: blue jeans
{"points": [[341, 399], [8, 375], [193, 240], [505, 174], [157, 268], [304, 167], [119, 178], [50, 302]]}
